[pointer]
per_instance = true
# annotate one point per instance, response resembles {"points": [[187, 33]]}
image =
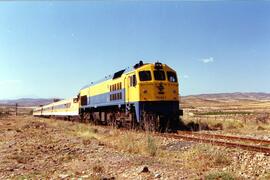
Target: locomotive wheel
{"points": [[112, 120], [133, 123], [149, 122], [83, 117], [163, 124]]}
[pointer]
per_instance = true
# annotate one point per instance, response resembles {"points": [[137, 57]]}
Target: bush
{"points": [[203, 157], [233, 124], [98, 169], [220, 158], [151, 146], [260, 128], [218, 126], [86, 132], [219, 176]]}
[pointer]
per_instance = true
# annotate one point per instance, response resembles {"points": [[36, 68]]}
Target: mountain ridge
{"points": [[27, 101], [233, 96], [213, 96]]}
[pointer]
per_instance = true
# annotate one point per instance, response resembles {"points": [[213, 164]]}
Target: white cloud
{"points": [[186, 76], [207, 60]]}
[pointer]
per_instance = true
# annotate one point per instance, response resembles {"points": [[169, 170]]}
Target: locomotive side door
{"points": [[131, 88], [132, 93]]}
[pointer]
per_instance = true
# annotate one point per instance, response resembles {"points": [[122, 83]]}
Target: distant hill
{"points": [[232, 96], [211, 98], [27, 102]]}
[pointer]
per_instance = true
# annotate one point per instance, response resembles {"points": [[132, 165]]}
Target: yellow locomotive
{"points": [[146, 96]]}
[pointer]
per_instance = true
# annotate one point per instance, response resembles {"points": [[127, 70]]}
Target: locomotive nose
{"points": [[160, 88]]}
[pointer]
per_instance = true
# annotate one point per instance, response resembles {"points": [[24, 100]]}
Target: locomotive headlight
{"points": [[145, 91]]}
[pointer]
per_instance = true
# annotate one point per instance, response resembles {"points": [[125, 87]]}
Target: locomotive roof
{"points": [[109, 77], [117, 74]]}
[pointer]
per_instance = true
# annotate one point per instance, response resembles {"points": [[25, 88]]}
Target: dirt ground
{"points": [[31, 148], [38, 148]]}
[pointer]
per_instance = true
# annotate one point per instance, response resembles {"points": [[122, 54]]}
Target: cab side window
{"points": [[159, 75], [145, 76], [171, 76], [133, 81]]}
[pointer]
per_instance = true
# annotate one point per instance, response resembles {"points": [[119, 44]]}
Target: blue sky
{"points": [[52, 49]]}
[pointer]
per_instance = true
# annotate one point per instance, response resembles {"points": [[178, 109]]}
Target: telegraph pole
{"points": [[16, 109]]}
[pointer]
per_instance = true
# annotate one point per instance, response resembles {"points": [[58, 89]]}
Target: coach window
{"points": [[145, 76], [159, 75], [120, 95], [171, 76]]}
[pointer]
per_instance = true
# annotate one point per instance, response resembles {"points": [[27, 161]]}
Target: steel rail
{"points": [[255, 148], [220, 136]]}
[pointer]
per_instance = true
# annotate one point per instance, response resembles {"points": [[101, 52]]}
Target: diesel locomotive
{"points": [[143, 96]]}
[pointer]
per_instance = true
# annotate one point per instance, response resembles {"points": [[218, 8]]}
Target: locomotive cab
{"points": [[157, 82], [158, 93], [145, 95]]}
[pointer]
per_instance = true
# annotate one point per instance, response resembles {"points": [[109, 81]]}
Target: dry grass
{"points": [[266, 177], [232, 125], [219, 176], [235, 116], [132, 142], [126, 141], [85, 131], [204, 157], [98, 169], [150, 145]]}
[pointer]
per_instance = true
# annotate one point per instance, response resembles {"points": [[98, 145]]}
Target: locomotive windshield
{"points": [[145, 76], [171, 76], [159, 75]]}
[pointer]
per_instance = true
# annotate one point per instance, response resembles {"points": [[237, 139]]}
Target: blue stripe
{"points": [[104, 99]]}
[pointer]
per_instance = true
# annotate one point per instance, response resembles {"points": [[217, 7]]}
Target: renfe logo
{"points": [[160, 88]]}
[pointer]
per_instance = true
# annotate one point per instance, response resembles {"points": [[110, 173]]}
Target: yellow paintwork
{"points": [[143, 91], [148, 90], [100, 88], [132, 93]]}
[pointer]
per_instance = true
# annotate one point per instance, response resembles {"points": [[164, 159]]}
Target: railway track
{"points": [[222, 140], [226, 137], [259, 145]]}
